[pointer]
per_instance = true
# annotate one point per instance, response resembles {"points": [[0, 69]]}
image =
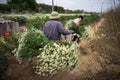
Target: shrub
{"points": [[29, 43], [11, 41], [90, 18], [36, 22], [8, 43], [6, 47]]}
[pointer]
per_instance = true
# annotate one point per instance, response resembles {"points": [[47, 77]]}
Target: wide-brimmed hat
{"points": [[54, 15]]}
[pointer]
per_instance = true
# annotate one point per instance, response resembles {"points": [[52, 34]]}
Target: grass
{"points": [[28, 15]]}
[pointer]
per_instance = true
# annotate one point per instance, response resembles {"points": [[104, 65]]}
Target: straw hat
{"points": [[54, 15]]}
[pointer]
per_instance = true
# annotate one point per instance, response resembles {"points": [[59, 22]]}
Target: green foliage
{"points": [[47, 8], [5, 8], [30, 42], [81, 30], [32, 5], [87, 18], [7, 45], [24, 4], [44, 12], [3, 48], [63, 18], [36, 22], [59, 9], [90, 18], [19, 5], [11, 41]]}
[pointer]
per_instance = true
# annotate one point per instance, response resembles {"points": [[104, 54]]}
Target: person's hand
{"points": [[72, 32]]}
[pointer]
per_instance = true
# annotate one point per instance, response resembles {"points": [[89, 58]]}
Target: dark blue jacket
{"points": [[53, 30]]}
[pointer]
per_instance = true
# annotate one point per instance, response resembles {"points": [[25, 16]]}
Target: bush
{"points": [[29, 43], [36, 22], [90, 18], [7, 45], [4, 8], [11, 41]]}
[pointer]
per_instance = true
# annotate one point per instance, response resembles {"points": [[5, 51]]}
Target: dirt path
{"points": [[95, 65]]}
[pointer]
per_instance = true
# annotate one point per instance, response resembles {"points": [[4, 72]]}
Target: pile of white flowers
{"points": [[56, 56]]}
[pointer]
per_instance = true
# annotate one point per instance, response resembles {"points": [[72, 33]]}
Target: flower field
{"points": [[52, 56]]}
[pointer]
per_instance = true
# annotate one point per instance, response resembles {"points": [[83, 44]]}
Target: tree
{"points": [[32, 5], [24, 4]]}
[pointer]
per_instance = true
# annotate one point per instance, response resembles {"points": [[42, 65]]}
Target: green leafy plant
{"points": [[37, 22], [7, 45], [90, 18], [11, 41], [29, 43]]}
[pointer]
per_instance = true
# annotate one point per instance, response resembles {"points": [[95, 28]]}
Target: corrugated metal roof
{"points": [[3, 1], [2, 21]]}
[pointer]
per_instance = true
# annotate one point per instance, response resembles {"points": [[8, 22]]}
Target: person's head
{"points": [[81, 17], [78, 20], [54, 15]]}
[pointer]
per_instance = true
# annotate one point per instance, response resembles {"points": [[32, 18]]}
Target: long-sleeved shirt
{"points": [[53, 30]]}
